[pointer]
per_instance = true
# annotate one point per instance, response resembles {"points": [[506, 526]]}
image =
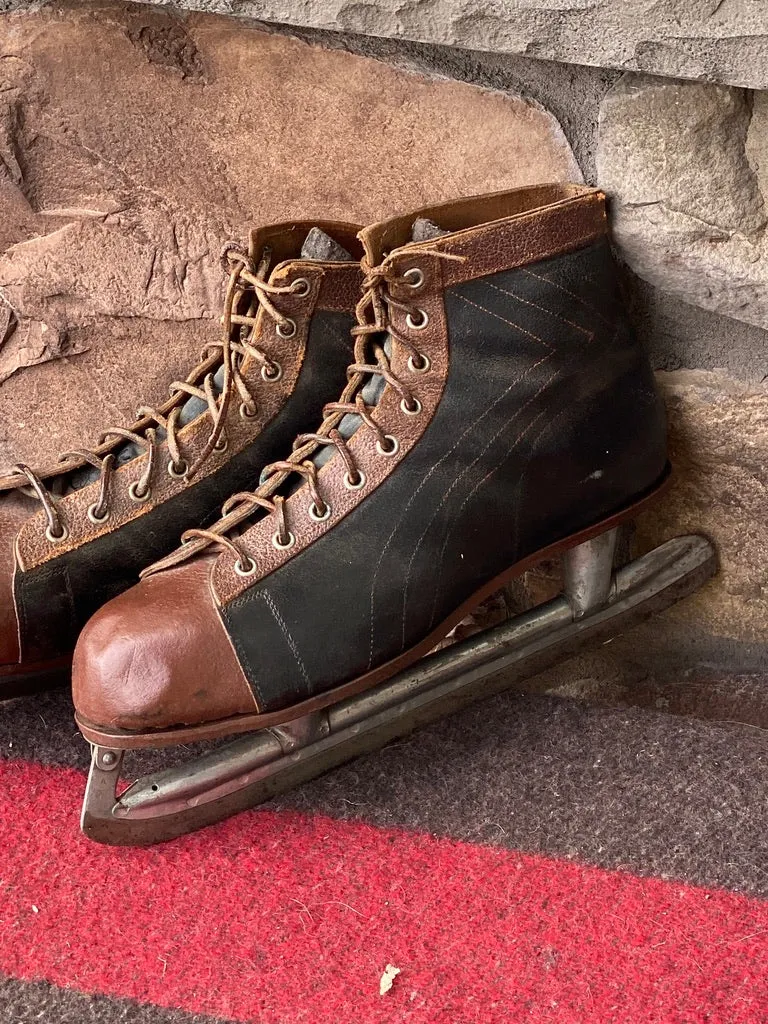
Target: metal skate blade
{"points": [[254, 768]]}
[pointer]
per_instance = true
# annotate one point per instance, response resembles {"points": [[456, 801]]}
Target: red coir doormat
{"points": [[283, 917]]}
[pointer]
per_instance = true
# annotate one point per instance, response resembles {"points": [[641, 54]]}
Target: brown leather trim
{"points": [[467, 214], [527, 238], [235, 724], [175, 628], [285, 240], [427, 387], [339, 287]]}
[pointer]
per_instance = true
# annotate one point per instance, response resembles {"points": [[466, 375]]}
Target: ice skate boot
{"points": [[77, 534], [499, 411]]}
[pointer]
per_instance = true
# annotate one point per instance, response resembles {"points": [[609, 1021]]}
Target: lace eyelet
{"points": [[57, 538], [275, 374], [314, 514], [242, 570], [301, 287], [277, 543], [393, 449], [355, 485], [139, 496], [288, 329], [420, 323], [221, 445], [177, 472], [97, 520], [422, 366], [414, 277], [412, 410], [248, 412]]}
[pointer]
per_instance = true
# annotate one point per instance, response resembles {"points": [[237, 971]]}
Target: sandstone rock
{"points": [[133, 143], [688, 210], [711, 40], [719, 449]]}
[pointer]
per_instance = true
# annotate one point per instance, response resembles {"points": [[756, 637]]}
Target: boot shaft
{"points": [[519, 409]]}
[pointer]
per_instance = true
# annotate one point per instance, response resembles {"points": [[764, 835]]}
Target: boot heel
{"points": [[588, 572]]}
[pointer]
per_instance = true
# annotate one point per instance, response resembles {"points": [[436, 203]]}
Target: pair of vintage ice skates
{"points": [[399, 419]]}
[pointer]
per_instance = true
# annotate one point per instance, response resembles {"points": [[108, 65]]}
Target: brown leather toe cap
{"points": [[158, 657]]}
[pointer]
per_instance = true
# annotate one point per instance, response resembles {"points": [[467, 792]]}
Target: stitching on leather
{"points": [[476, 488], [244, 661], [567, 291], [504, 320], [590, 336], [466, 470], [543, 309], [288, 638], [490, 473]]}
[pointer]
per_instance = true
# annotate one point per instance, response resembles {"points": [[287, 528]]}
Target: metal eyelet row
{"points": [[288, 328], [393, 447], [414, 277], [57, 538], [422, 366], [245, 570], [270, 372], [139, 496], [420, 323]]}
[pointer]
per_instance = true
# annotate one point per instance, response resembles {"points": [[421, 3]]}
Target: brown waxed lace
{"points": [[373, 316], [243, 277]]}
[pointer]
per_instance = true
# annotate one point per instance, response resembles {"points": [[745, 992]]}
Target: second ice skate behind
{"points": [[499, 410]]}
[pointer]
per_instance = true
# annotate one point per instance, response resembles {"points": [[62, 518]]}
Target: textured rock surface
{"points": [[719, 448], [713, 40], [115, 201], [686, 166]]}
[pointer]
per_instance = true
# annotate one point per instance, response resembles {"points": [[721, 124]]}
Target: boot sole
{"points": [[119, 739]]}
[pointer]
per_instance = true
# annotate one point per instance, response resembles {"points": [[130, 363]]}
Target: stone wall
{"points": [[711, 40], [685, 164]]}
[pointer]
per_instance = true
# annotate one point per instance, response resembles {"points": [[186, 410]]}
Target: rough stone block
{"points": [[685, 169], [710, 40], [719, 449], [134, 143]]}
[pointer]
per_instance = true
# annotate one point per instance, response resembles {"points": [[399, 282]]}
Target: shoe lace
{"points": [[235, 344], [374, 323]]}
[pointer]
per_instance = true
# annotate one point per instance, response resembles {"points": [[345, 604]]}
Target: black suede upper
{"points": [[56, 600], [550, 422]]}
